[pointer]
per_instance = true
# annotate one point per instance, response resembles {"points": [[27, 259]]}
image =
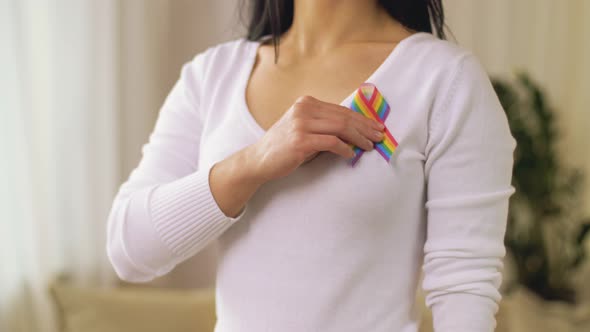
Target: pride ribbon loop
{"points": [[369, 102]]}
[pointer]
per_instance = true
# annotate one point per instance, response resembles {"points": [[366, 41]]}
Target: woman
{"points": [[252, 148]]}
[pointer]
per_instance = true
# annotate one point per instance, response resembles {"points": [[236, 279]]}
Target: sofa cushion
{"points": [[131, 309]]}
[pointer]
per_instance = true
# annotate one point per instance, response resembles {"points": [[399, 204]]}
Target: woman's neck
{"points": [[321, 25]]}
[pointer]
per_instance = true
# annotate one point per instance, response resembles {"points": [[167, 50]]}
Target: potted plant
{"points": [[546, 230]]}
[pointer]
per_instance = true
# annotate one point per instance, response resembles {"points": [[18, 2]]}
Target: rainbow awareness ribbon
{"points": [[369, 102]]}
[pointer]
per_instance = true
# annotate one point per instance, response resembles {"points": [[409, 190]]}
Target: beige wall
{"points": [[176, 30]]}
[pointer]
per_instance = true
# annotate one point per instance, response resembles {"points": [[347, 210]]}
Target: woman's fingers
{"points": [[330, 110], [327, 118], [338, 127], [371, 129], [321, 142], [308, 127]]}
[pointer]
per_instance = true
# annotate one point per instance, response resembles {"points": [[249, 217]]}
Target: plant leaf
{"points": [[584, 230]]}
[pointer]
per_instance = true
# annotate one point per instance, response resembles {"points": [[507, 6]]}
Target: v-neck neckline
{"points": [[252, 52]]}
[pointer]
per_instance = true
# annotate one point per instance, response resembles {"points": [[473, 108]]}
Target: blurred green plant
{"points": [[546, 231]]}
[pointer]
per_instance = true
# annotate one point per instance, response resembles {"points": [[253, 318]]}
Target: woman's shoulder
{"points": [[443, 63], [440, 58], [444, 49], [220, 61], [234, 49]]}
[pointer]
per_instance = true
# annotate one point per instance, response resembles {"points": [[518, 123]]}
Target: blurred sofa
{"points": [[133, 309], [147, 309], [139, 309]]}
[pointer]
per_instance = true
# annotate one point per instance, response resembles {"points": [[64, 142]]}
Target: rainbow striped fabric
{"points": [[369, 102]]}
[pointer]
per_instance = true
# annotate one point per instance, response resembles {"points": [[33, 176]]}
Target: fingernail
{"points": [[378, 134], [380, 125]]}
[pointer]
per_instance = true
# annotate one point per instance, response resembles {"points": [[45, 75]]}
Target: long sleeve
{"points": [[468, 172], [165, 212]]}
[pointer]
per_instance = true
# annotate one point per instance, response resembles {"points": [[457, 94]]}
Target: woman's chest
{"points": [[327, 194], [229, 126], [328, 206], [273, 88]]}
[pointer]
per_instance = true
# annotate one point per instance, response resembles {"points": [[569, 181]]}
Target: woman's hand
{"points": [[307, 128]]}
